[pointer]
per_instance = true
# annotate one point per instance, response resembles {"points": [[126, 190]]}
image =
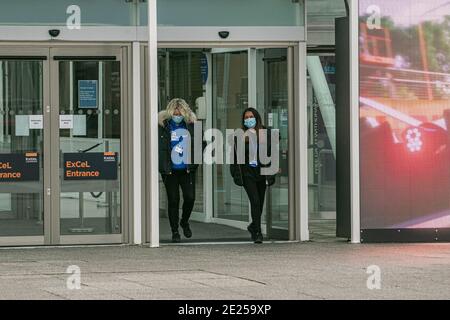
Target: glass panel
{"points": [[90, 133], [323, 12], [230, 98], [322, 161], [271, 73], [230, 13], [180, 77], [51, 12], [21, 157]]}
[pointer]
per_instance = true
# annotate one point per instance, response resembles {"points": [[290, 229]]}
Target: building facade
{"points": [[82, 82]]}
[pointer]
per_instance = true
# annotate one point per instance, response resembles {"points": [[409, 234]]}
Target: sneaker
{"points": [[186, 230], [259, 238], [176, 238], [252, 232]]}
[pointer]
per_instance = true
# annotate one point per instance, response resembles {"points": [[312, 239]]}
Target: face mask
{"points": [[250, 123], [177, 119]]}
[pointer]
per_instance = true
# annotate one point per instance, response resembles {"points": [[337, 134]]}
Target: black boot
{"points": [[259, 238], [176, 238], [186, 229]]}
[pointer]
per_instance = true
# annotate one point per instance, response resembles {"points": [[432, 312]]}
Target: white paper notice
{"points": [[36, 121], [270, 119], [79, 125], [66, 121], [22, 126]]}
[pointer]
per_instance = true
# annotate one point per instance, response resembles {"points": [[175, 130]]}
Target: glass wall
{"points": [[322, 161], [323, 12], [51, 12], [170, 12], [231, 13]]}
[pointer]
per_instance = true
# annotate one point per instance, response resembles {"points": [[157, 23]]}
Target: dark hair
{"points": [[259, 124]]}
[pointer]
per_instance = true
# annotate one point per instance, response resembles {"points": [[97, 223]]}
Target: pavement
{"points": [[311, 270]]}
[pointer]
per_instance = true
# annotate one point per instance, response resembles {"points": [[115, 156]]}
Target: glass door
{"points": [[257, 78], [272, 74], [229, 100], [87, 106], [24, 172]]}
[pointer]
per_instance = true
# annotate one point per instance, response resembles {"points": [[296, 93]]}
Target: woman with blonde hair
{"points": [[176, 132]]}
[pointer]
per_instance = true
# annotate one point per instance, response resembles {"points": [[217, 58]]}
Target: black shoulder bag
{"points": [[238, 179]]}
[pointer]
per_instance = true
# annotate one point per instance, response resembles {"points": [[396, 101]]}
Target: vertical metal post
{"points": [[100, 100], [208, 177], [153, 123], [137, 146], [354, 121], [299, 219]]}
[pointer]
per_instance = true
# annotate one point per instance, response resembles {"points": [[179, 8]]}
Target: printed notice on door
{"points": [[87, 94], [19, 167], [90, 166]]}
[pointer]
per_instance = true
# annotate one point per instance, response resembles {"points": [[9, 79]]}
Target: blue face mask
{"points": [[250, 123], [177, 119]]}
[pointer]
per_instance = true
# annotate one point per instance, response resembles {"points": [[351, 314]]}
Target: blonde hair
{"points": [[183, 107]]}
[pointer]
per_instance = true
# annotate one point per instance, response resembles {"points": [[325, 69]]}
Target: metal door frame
{"points": [[51, 139], [298, 167], [120, 54]]}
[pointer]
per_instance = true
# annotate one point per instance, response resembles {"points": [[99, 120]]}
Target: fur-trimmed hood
{"points": [[163, 116]]}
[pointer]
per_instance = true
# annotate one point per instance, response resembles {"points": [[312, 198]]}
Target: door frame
{"points": [[298, 184], [51, 120]]}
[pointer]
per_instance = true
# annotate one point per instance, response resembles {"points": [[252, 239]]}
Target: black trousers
{"points": [[256, 191], [173, 182]]}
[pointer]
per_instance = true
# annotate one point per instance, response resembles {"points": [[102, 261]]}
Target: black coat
{"points": [[164, 149], [239, 171]]}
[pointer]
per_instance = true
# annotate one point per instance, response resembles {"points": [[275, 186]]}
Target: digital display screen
{"points": [[404, 65]]}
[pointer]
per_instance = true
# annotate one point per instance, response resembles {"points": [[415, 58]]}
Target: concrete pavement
{"points": [[313, 270]]}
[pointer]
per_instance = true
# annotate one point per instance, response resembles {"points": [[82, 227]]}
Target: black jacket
{"points": [[165, 160], [239, 171]]}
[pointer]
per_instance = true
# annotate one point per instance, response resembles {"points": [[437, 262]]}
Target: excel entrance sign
{"points": [[19, 167], [90, 166]]}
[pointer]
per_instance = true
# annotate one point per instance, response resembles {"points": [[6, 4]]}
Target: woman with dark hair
{"points": [[248, 174]]}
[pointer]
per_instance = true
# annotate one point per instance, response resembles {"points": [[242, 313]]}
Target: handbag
{"points": [[238, 179], [270, 180]]}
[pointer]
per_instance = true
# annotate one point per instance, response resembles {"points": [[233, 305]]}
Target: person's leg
{"points": [[262, 187], [251, 188], [173, 199], [187, 183]]}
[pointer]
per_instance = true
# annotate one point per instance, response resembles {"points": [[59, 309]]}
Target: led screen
{"points": [[404, 59]]}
